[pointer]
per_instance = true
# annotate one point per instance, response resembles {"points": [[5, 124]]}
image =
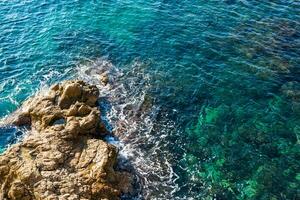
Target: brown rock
{"points": [[61, 158], [22, 119], [104, 78], [70, 93], [84, 110]]}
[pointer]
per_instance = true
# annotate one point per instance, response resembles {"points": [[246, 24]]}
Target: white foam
{"points": [[139, 142], [135, 129]]}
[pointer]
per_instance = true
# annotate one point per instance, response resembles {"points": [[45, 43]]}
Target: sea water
{"points": [[220, 80]]}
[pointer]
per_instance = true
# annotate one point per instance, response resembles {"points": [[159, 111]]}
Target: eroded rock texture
{"points": [[62, 158]]}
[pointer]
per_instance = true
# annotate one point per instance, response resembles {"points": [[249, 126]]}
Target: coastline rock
{"points": [[63, 157], [104, 78]]}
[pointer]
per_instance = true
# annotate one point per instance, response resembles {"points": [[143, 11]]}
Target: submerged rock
{"points": [[104, 78], [62, 157]]}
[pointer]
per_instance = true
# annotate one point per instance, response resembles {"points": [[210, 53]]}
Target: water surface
{"points": [[221, 79]]}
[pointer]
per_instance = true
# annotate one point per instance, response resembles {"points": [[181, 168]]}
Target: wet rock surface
{"points": [[63, 156]]}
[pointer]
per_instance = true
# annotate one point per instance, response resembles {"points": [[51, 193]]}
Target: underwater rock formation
{"points": [[63, 156]]}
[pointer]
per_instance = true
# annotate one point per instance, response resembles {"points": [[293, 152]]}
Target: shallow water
{"points": [[206, 93]]}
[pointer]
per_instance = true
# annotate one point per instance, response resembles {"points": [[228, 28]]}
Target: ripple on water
{"points": [[186, 74], [142, 137]]}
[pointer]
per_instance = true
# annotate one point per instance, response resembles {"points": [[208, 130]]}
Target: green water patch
{"points": [[246, 151]]}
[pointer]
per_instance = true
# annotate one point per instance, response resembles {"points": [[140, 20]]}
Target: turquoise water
{"points": [[223, 76]]}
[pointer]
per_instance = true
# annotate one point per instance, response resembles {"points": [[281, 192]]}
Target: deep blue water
{"points": [[223, 77]]}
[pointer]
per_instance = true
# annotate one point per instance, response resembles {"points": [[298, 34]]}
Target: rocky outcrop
{"points": [[63, 157]]}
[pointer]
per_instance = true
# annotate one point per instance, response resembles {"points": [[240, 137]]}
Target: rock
{"points": [[70, 94], [291, 90], [104, 78], [62, 157], [22, 119]]}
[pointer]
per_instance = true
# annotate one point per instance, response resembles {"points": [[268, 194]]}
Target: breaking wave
{"points": [[140, 127]]}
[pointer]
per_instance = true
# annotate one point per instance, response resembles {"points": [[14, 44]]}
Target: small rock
{"points": [[84, 110], [104, 78], [22, 119]]}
